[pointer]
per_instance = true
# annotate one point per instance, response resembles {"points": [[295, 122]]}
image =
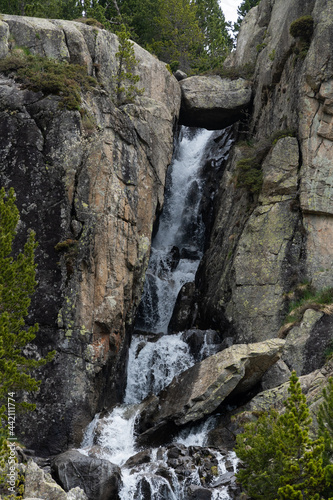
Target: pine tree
{"points": [[258, 448], [304, 476], [53, 9], [179, 39], [217, 41], [71, 9], [281, 460], [325, 422], [140, 16], [17, 284], [126, 80], [242, 10]]}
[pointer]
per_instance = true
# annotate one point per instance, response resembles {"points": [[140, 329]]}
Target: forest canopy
{"points": [[188, 34]]}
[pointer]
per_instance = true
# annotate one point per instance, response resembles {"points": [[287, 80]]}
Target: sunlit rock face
{"points": [[214, 102], [198, 391], [262, 247], [91, 193]]}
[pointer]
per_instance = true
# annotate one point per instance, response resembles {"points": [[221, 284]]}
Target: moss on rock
{"points": [[49, 76]]}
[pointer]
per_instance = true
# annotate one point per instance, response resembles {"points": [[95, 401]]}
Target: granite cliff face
{"points": [[91, 195], [265, 246]]}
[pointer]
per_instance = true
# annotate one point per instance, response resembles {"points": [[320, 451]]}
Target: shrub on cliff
{"points": [[248, 173], [280, 459], [49, 76], [302, 30], [125, 79], [302, 27], [307, 297]]}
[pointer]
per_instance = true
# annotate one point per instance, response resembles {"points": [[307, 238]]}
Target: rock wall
{"points": [[91, 196], [265, 245]]}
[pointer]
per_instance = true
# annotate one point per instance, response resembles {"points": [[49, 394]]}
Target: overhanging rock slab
{"points": [[213, 102]]}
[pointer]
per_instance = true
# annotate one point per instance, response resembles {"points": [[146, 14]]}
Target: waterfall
{"points": [[178, 245], [152, 365], [155, 358]]}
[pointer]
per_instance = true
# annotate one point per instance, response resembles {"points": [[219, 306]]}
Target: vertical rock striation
{"points": [[263, 246], [91, 194]]}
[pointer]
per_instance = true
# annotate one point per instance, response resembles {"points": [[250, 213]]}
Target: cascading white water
{"points": [[197, 435], [152, 365], [177, 247], [153, 359]]}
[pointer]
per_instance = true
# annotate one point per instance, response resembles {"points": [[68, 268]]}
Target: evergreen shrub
{"points": [[248, 170], [302, 29], [280, 459], [50, 76]]}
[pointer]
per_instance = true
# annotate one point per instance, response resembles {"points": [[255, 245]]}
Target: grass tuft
{"points": [[50, 76], [321, 300], [234, 72]]}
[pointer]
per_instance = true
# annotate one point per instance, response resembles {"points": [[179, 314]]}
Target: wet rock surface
{"points": [[197, 469], [203, 343], [100, 479], [198, 391]]}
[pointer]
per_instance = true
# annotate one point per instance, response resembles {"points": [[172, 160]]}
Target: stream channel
{"points": [[175, 471]]}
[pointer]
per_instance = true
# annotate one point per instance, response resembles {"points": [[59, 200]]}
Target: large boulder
{"points": [[39, 485], [213, 102], [199, 390], [312, 386], [100, 479], [314, 329]]}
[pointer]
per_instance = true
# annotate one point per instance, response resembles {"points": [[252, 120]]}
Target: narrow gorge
{"points": [[174, 233]]}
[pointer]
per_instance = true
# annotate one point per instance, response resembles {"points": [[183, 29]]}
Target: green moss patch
{"points": [[302, 27], [248, 170], [280, 134], [50, 76], [302, 30], [306, 297]]}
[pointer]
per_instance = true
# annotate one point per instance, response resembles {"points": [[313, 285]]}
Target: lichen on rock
{"points": [[99, 190]]}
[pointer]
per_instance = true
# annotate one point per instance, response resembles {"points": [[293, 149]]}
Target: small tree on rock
{"points": [[17, 284], [126, 80], [325, 422], [280, 459]]}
